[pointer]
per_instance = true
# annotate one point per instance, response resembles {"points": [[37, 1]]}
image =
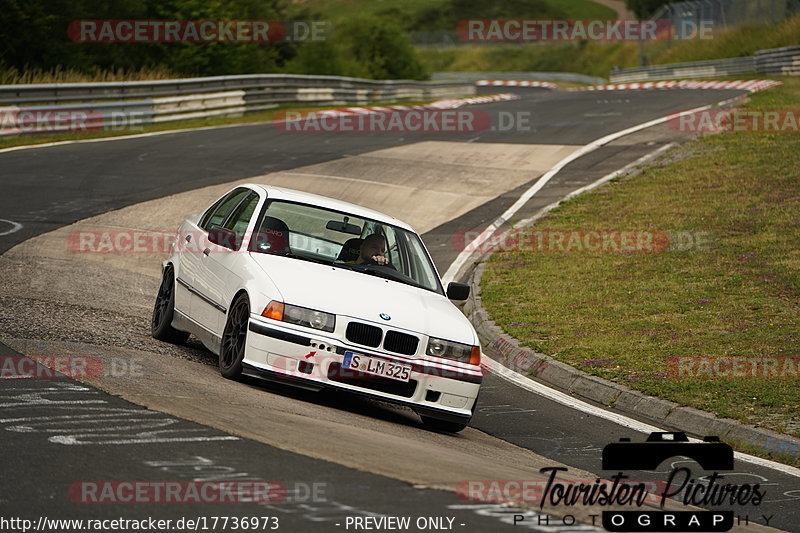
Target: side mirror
{"points": [[223, 237], [457, 291]]}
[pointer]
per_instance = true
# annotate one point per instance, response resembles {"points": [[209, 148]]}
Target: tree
{"points": [[35, 35], [372, 47], [645, 8], [361, 47]]}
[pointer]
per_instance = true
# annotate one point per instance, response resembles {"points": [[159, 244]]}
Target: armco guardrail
{"points": [[54, 107], [532, 76], [695, 69], [784, 61], [779, 61]]}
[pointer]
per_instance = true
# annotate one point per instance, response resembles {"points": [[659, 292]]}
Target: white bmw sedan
{"points": [[319, 293]]}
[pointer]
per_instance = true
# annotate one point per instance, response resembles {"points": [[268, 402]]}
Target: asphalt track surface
{"points": [[46, 188]]}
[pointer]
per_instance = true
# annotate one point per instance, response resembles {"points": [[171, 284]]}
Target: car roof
{"points": [[292, 195]]}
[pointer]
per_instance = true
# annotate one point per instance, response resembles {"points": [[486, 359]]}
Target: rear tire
{"points": [[234, 338], [164, 310], [442, 426]]}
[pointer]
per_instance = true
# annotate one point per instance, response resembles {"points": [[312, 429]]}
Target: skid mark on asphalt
{"points": [[503, 409], [85, 419], [307, 501], [14, 227]]}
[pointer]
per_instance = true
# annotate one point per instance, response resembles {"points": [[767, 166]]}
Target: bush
{"points": [[362, 47]]}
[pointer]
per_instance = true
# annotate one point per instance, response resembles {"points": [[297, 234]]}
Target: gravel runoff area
{"points": [[48, 295]]}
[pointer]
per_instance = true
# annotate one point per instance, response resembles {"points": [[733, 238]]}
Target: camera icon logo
{"points": [[711, 454]]}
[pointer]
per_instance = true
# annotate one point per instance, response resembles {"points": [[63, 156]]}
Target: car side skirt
{"points": [[210, 340], [219, 307]]}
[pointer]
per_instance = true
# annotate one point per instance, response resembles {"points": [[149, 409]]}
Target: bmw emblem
{"points": [[385, 316]]}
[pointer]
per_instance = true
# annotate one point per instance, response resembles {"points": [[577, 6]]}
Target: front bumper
{"points": [[314, 361]]}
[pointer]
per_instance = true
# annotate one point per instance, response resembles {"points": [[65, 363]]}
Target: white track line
{"points": [[464, 256], [619, 419], [15, 226], [557, 396], [450, 103], [608, 177], [131, 136]]}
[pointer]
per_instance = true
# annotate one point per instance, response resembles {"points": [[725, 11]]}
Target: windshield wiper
{"points": [[293, 255], [348, 266], [386, 273]]}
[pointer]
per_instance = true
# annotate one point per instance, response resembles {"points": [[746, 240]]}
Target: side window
{"points": [[217, 214], [210, 211], [240, 218]]}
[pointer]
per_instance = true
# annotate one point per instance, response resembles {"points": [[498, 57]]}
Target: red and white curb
{"points": [[747, 85], [451, 103], [516, 83], [458, 102]]}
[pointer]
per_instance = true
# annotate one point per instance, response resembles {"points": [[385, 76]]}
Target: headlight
{"points": [[465, 353], [310, 318]]}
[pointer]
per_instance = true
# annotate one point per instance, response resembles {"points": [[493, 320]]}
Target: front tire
{"points": [[234, 338], [164, 310]]}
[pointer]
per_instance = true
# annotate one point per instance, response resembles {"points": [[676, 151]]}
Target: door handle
{"points": [[207, 251]]}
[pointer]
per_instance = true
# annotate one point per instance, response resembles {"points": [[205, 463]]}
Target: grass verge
{"points": [[593, 59], [404, 9], [624, 316], [13, 76], [597, 59]]}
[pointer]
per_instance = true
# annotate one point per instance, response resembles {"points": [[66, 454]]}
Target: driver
{"points": [[372, 251]]}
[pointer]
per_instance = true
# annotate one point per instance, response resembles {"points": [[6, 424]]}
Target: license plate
{"points": [[376, 367]]}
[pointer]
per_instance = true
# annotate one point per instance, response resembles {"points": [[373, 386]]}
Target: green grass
{"points": [[583, 9], [340, 9], [590, 58], [597, 59], [15, 76], [622, 316], [736, 42]]}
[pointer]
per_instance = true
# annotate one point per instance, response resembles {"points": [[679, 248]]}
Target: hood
{"points": [[364, 297]]}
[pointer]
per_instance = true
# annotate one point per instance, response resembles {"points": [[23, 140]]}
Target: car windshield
{"points": [[326, 236]]}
